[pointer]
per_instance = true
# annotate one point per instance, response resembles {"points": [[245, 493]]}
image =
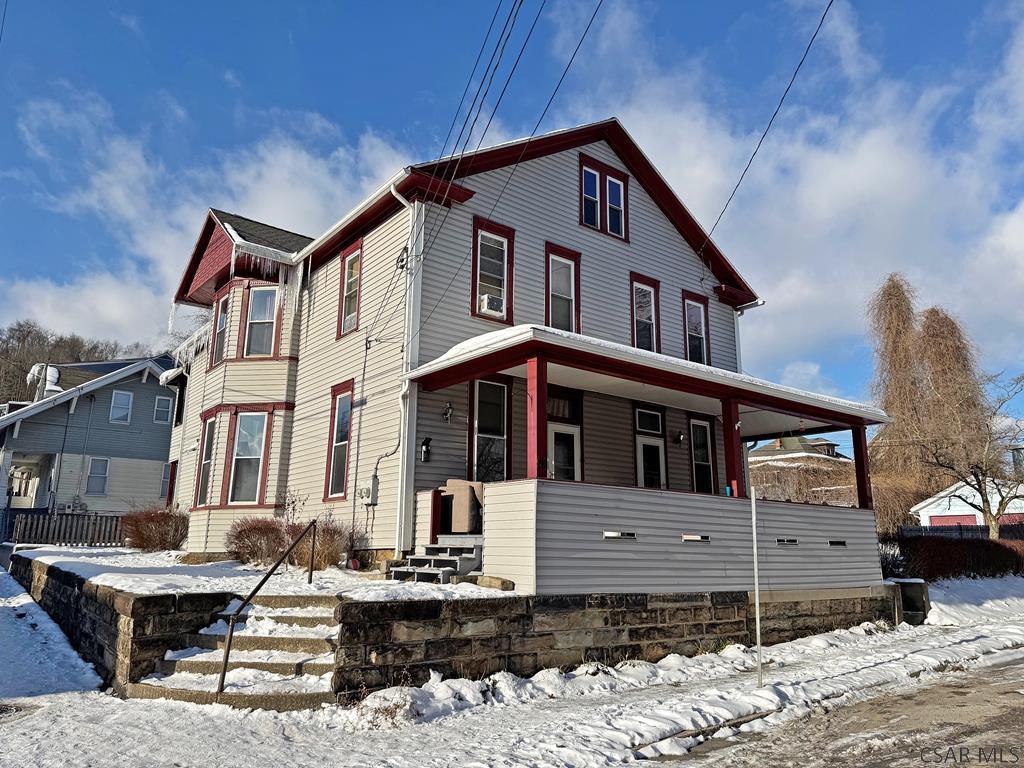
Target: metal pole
{"points": [[757, 586], [227, 653], [312, 553]]}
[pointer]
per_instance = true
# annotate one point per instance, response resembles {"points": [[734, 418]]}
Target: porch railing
{"points": [[67, 529], [309, 529]]}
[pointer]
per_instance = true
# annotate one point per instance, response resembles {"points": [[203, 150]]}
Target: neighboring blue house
{"points": [[95, 439]]}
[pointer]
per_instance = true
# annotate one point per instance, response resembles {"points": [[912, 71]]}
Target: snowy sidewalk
{"points": [[597, 716]]}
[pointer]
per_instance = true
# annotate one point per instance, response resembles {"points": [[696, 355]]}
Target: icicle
{"points": [[171, 316]]}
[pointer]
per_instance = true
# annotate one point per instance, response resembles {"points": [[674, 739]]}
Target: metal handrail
{"points": [[248, 599]]}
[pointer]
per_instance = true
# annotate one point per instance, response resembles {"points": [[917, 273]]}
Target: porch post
{"points": [[536, 418], [733, 447], [860, 460]]}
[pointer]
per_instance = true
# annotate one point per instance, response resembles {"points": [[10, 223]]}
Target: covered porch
{"points": [[547, 404]]}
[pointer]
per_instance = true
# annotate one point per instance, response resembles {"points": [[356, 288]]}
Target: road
{"points": [[967, 718]]}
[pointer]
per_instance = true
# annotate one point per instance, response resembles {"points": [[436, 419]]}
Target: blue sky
{"points": [[900, 147]]}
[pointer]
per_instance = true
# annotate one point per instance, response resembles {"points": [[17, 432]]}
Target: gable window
{"points": [[616, 207], [492, 270], [490, 446], [220, 333], [162, 409], [563, 288], [260, 322], [96, 482], [247, 458], [205, 464], [604, 198], [121, 407], [702, 457], [695, 318], [351, 273], [337, 456], [591, 206], [646, 309]]}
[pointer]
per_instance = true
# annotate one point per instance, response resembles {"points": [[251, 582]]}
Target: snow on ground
{"points": [[976, 601], [247, 681], [267, 627], [160, 572], [592, 716]]}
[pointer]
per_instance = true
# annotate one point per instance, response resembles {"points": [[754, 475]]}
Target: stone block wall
{"points": [[122, 634]]}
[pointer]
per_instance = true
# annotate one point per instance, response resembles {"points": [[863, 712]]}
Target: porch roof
{"points": [[584, 362]]}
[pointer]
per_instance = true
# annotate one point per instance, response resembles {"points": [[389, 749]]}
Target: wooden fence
{"points": [[68, 530]]}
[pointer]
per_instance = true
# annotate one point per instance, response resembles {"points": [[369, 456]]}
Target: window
{"points": [[205, 464], [341, 421], [591, 213], [490, 449], [695, 314], [220, 333], [167, 482], [96, 482], [162, 410], [563, 286], [350, 281], [604, 198], [260, 322], [701, 457], [645, 310], [492, 270], [247, 458], [179, 401], [121, 407], [616, 208], [648, 421]]}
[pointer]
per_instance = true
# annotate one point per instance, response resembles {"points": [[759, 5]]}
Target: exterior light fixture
{"points": [[446, 416]]}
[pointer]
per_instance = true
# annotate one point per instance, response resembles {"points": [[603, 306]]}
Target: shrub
{"points": [[259, 540], [932, 558], [156, 529], [333, 540]]}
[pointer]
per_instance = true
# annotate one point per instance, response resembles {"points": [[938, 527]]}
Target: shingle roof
{"points": [[258, 233], [102, 367]]}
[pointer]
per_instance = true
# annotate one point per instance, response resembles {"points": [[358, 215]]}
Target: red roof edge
{"points": [[181, 294]]}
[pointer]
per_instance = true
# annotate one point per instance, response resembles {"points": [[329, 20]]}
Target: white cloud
{"points": [[807, 375], [130, 22], [155, 213], [231, 78]]}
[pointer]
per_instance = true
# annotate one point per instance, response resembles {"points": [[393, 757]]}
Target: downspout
{"points": [[410, 359]]}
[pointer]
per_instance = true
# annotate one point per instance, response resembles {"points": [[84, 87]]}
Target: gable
{"points": [[211, 257]]}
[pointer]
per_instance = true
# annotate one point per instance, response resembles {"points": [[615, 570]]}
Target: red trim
{"points": [[172, 477], [537, 418], [225, 485], [710, 421], [353, 248], [342, 388], [697, 298], [224, 291], [605, 172], [481, 224], [265, 460], [861, 468], [636, 163], [225, 481], [233, 408], [733, 446], [243, 325], [552, 249], [207, 423], [635, 278], [508, 383]]}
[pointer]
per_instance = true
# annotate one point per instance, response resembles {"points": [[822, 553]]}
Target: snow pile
{"points": [[959, 602], [160, 572], [266, 627]]}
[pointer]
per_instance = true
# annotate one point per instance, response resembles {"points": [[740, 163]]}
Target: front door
{"points": [[650, 462], [564, 452]]}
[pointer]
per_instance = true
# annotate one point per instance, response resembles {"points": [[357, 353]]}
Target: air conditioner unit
{"points": [[492, 305]]}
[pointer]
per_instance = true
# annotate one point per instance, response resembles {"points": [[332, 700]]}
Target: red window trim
{"points": [[239, 356], [220, 294], [692, 416], [553, 249], [352, 249], [635, 278], [481, 224], [507, 381], [225, 485], [697, 298], [244, 322], [605, 172], [342, 388]]}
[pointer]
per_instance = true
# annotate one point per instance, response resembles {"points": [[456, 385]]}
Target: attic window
{"points": [[604, 198]]}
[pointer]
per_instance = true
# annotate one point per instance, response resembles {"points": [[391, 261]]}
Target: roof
{"points": [[531, 337], [102, 367], [960, 488], [70, 394], [258, 233]]}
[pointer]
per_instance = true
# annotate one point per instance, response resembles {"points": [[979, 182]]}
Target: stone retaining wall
{"points": [[120, 633], [400, 642]]}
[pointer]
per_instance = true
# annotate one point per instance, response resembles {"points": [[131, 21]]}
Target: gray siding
{"points": [[541, 204], [572, 556]]}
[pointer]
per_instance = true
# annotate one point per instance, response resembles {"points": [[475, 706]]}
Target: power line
{"points": [[522, 153], [3, 21], [767, 128]]}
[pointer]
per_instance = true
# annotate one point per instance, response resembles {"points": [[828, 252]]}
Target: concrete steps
{"points": [[282, 658], [451, 556]]}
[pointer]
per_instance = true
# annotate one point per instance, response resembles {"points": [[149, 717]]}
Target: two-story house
{"points": [[545, 318]]}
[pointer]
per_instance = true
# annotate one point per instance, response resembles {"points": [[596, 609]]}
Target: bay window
{"points": [[220, 332], [261, 320], [490, 447], [205, 464], [247, 457]]}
